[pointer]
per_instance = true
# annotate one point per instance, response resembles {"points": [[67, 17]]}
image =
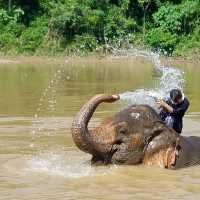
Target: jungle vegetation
{"points": [[52, 27]]}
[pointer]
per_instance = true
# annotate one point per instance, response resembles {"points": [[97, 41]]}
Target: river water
{"points": [[37, 103]]}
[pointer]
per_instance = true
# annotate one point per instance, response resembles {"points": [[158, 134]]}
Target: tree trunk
{"points": [[9, 5]]}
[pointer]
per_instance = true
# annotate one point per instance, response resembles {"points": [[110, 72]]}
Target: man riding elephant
{"points": [[135, 135], [173, 110]]}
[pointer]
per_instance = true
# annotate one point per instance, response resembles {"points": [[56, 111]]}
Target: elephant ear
{"points": [[172, 159], [150, 133], [161, 133]]}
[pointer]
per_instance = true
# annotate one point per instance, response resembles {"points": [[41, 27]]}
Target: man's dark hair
{"points": [[175, 95]]}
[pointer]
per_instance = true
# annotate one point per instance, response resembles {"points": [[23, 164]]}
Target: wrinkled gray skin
{"points": [[189, 154], [132, 135]]}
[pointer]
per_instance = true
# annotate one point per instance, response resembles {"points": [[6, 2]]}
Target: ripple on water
{"points": [[70, 164]]}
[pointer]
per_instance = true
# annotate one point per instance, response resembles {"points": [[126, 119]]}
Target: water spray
{"points": [[169, 79]]}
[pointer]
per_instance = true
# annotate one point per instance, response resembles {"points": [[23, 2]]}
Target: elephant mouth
{"points": [[121, 154]]}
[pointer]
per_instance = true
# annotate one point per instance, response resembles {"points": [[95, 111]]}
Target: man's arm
{"points": [[179, 111], [164, 105]]}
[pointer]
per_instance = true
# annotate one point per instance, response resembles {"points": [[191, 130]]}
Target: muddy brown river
{"points": [[38, 159]]}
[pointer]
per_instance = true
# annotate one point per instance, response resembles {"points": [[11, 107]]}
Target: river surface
{"points": [[38, 159]]}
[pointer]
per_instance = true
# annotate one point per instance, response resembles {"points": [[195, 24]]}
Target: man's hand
{"points": [[160, 103], [163, 104]]}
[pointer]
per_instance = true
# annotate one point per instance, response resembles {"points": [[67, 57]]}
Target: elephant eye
{"points": [[123, 130]]}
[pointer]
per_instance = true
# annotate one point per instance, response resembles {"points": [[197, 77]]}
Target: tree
{"points": [[145, 5]]}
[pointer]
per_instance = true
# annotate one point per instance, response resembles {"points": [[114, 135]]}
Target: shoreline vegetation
{"points": [[92, 27]]}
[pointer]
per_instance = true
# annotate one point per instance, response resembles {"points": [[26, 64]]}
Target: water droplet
{"points": [[31, 145]]}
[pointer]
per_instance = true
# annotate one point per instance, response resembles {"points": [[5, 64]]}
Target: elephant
{"points": [[135, 135]]}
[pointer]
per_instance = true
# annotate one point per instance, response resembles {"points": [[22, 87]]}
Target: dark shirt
{"points": [[178, 113]]}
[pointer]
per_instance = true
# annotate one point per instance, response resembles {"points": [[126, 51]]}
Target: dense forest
{"points": [[53, 27]]}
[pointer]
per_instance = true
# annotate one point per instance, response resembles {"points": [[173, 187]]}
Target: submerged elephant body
{"points": [[133, 136]]}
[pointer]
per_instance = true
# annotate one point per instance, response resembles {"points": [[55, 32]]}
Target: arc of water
{"points": [[170, 78]]}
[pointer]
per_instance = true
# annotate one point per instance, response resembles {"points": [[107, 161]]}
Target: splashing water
{"points": [[65, 163], [54, 163], [68, 164], [169, 79], [47, 104]]}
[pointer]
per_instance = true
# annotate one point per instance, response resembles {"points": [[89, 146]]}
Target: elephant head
{"points": [[134, 135]]}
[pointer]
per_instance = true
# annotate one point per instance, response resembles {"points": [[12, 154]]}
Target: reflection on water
{"points": [[38, 157], [21, 86]]}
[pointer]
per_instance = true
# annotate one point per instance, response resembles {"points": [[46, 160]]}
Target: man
{"points": [[174, 109]]}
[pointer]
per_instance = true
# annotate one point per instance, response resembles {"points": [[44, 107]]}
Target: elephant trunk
{"points": [[80, 133]]}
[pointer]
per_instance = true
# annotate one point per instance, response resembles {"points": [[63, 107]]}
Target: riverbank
{"points": [[61, 59], [32, 60]]}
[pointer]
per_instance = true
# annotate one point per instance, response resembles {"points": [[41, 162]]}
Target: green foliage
{"points": [[169, 18], [115, 23], [13, 16], [71, 19], [83, 44], [174, 25], [7, 42], [162, 40], [76, 26], [32, 37], [189, 46], [191, 15], [10, 29], [178, 18]]}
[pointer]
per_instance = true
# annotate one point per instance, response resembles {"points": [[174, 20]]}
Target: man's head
{"points": [[176, 96]]}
